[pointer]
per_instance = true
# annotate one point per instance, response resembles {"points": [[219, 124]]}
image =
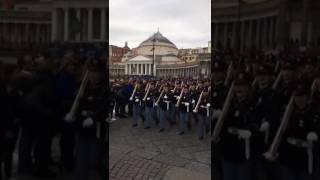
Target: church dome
{"points": [[163, 46], [159, 38]]}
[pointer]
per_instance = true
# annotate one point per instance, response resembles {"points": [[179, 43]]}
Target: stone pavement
{"points": [[136, 153]]}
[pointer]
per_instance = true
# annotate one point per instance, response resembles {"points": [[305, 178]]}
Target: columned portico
{"points": [[78, 21]]}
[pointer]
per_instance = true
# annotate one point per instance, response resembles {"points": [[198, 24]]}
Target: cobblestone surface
{"points": [[136, 153]]}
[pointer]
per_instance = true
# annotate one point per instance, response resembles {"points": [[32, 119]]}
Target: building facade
{"points": [[158, 56], [45, 21], [116, 53], [265, 24]]}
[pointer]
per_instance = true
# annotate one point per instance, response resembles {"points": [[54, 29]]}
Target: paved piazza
{"points": [[136, 153]]}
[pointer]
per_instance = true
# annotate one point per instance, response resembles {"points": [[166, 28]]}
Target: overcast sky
{"points": [[186, 23]]}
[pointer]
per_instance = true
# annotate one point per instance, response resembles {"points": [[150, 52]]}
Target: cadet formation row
{"points": [[156, 102], [40, 101], [266, 116]]}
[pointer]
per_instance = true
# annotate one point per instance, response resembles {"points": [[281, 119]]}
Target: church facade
{"points": [[158, 56]]}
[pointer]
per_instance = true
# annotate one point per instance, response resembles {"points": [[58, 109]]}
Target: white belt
{"points": [[304, 144], [247, 140]]}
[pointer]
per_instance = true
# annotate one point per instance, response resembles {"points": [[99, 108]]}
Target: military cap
{"points": [[242, 79], [218, 67], [264, 69], [301, 88]]}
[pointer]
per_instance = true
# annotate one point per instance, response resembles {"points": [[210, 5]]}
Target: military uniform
{"points": [[295, 151], [235, 142], [150, 111], [91, 131], [137, 105], [185, 109], [204, 114], [164, 107]]}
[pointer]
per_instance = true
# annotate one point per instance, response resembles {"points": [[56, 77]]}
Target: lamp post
{"points": [[154, 55]]}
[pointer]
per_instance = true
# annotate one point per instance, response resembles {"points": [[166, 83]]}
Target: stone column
{"points": [[54, 25], [271, 33], [234, 35], [216, 35], [265, 31], [250, 35], [27, 32], [258, 34], [66, 24], [126, 69], [225, 35], [304, 31], [103, 24], [90, 24], [78, 14], [242, 35]]}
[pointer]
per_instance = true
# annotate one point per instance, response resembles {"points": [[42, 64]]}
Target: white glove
{"points": [[68, 118], [312, 136], [264, 126], [216, 113], [193, 101], [245, 134], [208, 104], [87, 122]]}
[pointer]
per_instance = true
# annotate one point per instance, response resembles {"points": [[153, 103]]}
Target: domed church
{"points": [[157, 56]]}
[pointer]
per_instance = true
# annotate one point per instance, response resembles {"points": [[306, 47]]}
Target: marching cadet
{"points": [[194, 95], [165, 104], [175, 91], [236, 133], [91, 127], [297, 151], [219, 91], [203, 113], [149, 99], [218, 95], [185, 109], [137, 97], [266, 113]]}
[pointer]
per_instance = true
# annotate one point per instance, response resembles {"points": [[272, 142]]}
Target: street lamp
{"points": [[154, 55]]}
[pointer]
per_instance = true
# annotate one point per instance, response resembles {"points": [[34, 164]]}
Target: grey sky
{"points": [[187, 23]]}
